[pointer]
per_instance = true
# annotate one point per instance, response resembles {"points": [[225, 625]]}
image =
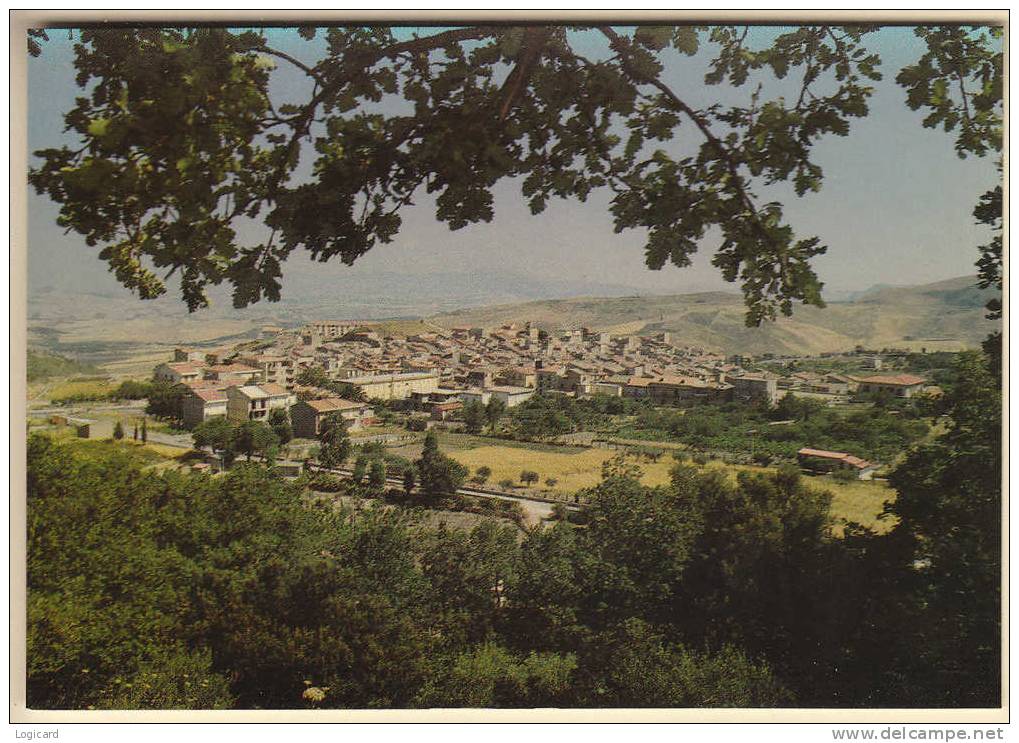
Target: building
{"points": [[274, 368], [188, 354], [819, 460], [899, 385], [475, 395], [677, 390], [255, 401], [398, 386], [327, 329], [511, 396], [750, 388], [234, 374], [199, 404], [176, 372], [307, 415]]}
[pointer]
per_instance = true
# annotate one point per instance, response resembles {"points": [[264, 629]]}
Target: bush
{"points": [[701, 459], [843, 474], [506, 484]]}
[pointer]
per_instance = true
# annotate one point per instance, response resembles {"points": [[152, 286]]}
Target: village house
{"points": [[199, 404], [230, 374], [307, 415], [511, 396], [188, 354], [274, 368], [398, 386], [819, 460], [475, 395], [900, 385], [752, 387], [255, 401], [175, 372], [669, 390]]}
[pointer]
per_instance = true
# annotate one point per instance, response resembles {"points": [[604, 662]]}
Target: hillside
{"points": [[947, 315]]}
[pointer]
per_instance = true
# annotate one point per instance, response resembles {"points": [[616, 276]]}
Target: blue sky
{"points": [[896, 206]]}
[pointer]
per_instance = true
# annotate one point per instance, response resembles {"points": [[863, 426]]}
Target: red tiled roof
{"points": [[210, 394], [836, 455], [333, 404]]}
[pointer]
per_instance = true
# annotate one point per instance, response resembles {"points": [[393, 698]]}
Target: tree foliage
{"points": [[183, 137]]}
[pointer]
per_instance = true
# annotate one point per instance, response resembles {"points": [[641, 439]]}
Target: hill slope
{"points": [[948, 315]]}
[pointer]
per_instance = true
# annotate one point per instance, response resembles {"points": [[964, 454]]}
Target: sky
{"points": [[895, 208]]}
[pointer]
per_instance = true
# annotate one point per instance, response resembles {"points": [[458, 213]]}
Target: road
{"points": [[535, 509]]}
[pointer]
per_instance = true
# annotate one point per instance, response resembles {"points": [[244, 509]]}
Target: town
{"points": [[350, 369]]}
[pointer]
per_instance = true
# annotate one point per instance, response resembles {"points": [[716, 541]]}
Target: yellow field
{"points": [[91, 387], [859, 501]]}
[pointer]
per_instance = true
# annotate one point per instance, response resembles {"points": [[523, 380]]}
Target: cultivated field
{"points": [[860, 501]]}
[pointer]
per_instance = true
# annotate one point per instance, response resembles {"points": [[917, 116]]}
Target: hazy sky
{"points": [[896, 205]]}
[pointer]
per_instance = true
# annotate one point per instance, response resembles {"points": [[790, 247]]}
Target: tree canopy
{"points": [[183, 139]]}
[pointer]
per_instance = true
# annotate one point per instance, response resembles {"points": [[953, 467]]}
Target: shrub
{"points": [[701, 459], [506, 484]]}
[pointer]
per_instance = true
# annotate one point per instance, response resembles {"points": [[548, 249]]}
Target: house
{"points": [[751, 387], [511, 396], [819, 460], [899, 385], [637, 388], [176, 372], [441, 411], [672, 390], [198, 404], [188, 354], [255, 401], [238, 374], [307, 415], [397, 386], [331, 328], [519, 376], [272, 367], [475, 395]]}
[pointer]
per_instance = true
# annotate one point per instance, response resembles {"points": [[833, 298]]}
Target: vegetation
{"points": [[43, 365]]}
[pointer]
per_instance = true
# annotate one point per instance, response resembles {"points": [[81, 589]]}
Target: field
{"points": [[859, 501], [81, 389]]}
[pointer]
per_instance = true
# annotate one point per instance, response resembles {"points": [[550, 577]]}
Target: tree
{"points": [[949, 511], [335, 443], [481, 475], [439, 476], [360, 469], [164, 400], [118, 431], [494, 411], [551, 482], [377, 476], [474, 416], [145, 430], [254, 437], [506, 484], [488, 103], [409, 480], [279, 422], [216, 433], [529, 476], [135, 435]]}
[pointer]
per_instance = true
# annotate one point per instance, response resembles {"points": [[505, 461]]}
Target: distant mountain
{"points": [[101, 327], [946, 315]]}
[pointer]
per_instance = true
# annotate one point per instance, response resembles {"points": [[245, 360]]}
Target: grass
{"points": [[80, 389], [860, 501]]}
